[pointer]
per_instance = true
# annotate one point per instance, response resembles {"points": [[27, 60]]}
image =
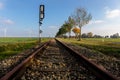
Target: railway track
{"points": [[56, 61], [109, 63]]}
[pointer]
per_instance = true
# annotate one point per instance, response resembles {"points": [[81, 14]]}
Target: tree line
{"points": [[91, 35], [80, 18]]}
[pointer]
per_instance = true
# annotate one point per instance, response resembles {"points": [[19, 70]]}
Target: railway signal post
{"points": [[41, 17]]}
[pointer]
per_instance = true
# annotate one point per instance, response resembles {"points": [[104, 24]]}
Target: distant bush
{"points": [[115, 35]]}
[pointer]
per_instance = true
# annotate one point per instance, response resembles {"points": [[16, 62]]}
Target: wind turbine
{"points": [[5, 32], [30, 33]]}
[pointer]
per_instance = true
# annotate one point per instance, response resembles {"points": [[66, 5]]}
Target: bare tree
{"points": [[81, 18]]}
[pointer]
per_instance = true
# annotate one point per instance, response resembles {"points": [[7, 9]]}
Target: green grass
{"points": [[6, 54], [11, 40], [12, 46], [107, 46]]}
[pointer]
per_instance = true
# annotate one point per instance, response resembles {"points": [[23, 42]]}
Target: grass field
{"points": [[107, 46], [12, 46]]}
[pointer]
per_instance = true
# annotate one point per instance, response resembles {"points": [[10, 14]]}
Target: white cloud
{"points": [[96, 21], [1, 5], [113, 13], [7, 21]]}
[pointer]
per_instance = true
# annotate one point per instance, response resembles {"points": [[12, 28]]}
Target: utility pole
{"points": [[41, 17]]}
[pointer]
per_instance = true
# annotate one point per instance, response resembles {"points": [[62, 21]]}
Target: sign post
{"points": [[41, 17]]}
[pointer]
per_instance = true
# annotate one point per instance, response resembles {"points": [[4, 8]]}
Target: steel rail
{"points": [[13, 73], [100, 73]]}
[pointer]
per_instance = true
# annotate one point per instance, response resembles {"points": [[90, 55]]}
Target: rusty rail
{"points": [[100, 73], [15, 71]]}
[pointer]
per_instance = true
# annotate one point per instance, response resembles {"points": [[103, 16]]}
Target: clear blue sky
{"points": [[19, 18]]}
